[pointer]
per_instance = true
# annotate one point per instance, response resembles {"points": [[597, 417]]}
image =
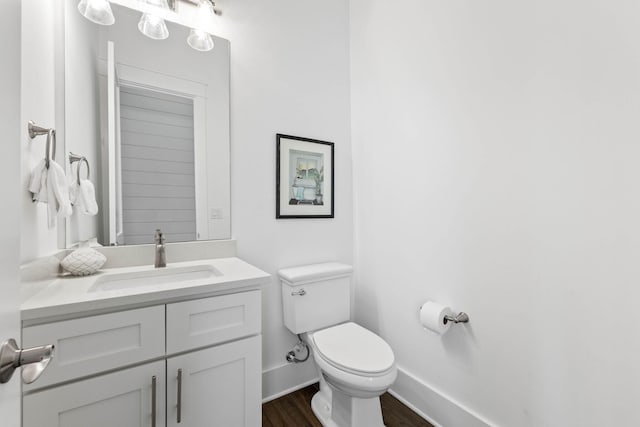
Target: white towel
{"points": [[83, 197], [50, 186], [38, 182], [57, 193]]}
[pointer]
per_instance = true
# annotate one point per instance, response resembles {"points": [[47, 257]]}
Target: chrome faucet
{"points": [[161, 255]]}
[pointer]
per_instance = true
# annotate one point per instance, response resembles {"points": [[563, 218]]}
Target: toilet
{"points": [[355, 365]]}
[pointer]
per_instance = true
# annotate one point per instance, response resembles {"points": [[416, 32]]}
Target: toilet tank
{"points": [[316, 296]]}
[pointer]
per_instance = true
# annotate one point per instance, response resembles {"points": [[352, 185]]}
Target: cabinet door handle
{"points": [[154, 387], [179, 411]]}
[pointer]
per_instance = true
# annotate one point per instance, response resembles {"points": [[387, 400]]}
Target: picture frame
{"points": [[304, 177]]}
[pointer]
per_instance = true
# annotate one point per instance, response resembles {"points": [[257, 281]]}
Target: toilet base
{"points": [[339, 410], [322, 410]]}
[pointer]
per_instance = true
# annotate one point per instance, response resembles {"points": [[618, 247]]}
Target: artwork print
{"points": [[304, 178]]}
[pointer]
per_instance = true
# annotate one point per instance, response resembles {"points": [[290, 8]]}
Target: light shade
{"points": [[98, 11], [153, 27], [200, 40]]}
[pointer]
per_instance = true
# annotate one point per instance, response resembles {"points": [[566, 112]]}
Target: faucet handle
{"points": [[159, 237]]}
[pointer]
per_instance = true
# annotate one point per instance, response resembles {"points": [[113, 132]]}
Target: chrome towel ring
{"points": [[77, 158]]}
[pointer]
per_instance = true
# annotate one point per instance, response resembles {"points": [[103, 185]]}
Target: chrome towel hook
{"points": [[77, 158]]}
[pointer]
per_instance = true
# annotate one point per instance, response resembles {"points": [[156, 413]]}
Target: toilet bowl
{"points": [[355, 366], [354, 359]]}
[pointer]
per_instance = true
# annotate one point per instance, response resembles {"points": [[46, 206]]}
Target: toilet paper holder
{"points": [[461, 317]]}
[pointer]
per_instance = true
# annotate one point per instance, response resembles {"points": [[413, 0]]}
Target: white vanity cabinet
{"points": [[200, 359]]}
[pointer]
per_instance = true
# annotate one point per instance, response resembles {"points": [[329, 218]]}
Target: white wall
{"points": [[10, 173], [289, 74], [38, 95], [498, 145]]}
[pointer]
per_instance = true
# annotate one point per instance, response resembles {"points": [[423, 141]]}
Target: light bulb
{"points": [[200, 40], [98, 11], [153, 27]]}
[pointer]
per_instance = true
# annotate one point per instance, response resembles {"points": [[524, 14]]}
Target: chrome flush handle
{"points": [[299, 293]]}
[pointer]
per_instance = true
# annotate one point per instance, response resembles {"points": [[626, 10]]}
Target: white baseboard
{"points": [[430, 404], [287, 378]]}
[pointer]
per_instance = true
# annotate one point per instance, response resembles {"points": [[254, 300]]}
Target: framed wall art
{"points": [[304, 177]]}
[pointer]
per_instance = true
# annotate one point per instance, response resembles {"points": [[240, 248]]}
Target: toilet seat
{"points": [[351, 348]]}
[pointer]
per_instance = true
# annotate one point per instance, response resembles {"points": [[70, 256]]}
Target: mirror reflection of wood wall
{"points": [[158, 175]]}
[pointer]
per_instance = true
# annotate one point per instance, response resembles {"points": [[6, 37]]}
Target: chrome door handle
{"points": [[299, 293], [33, 360], [154, 387], [179, 409]]}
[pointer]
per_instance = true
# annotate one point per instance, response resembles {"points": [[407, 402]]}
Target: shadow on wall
{"points": [[460, 344], [367, 312]]}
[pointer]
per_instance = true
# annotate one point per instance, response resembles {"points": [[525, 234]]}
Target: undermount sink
{"points": [[153, 277]]}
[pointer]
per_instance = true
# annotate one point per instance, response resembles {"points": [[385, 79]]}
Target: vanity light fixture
{"points": [[153, 26], [199, 39], [98, 11]]}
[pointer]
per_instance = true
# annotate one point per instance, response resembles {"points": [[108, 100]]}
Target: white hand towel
{"points": [[58, 201], [86, 198], [42, 195], [74, 190], [49, 186], [52, 209], [38, 178]]}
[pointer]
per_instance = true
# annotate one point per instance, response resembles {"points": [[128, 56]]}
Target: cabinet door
{"points": [[220, 386], [122, 399], [96, 344]]}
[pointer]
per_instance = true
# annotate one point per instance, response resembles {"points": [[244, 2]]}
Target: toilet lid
{"points": [[351, 347]]}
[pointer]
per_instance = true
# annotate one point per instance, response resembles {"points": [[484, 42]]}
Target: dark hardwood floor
{"points": [[294, 410]]}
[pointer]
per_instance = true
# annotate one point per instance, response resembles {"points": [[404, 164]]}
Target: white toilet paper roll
{"points": [[432, 317]]}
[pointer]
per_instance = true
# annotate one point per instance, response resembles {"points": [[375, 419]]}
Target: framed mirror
{"points": [[151, 118]]}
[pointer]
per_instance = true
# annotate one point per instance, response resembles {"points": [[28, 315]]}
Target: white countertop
{"points": [[69, 295]]}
